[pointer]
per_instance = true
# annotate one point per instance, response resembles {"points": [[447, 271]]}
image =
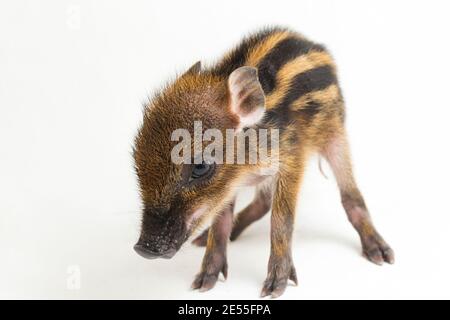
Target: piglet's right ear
{"points": [[246, 96]]}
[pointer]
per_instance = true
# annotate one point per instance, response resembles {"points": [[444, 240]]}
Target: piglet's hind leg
{"points": [[374, 247]]}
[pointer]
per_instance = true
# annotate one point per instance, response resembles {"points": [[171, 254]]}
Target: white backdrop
{"points": [[73, 75]]}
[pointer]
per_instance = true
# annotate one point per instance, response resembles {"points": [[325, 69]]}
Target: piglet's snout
{"points": [[144, 250], [162, 234]]}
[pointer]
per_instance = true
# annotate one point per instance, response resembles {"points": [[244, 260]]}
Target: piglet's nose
{"points": [[143, 251], [147, 253]]}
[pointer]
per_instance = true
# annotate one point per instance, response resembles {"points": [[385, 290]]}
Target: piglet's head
{"points": [[179, 197]]}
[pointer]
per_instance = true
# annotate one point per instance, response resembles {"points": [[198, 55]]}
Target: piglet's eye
{"points": [[200, 170]]}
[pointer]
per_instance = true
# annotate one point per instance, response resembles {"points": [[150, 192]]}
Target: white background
{"points": [[73, 75]]}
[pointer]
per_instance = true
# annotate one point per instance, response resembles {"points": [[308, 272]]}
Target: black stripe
{"points": [[278, 118], [309, 111], [313, 80], [238, 56], [279, 55]]}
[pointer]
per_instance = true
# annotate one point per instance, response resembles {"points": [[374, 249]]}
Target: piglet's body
{"points": [[274, 79]]}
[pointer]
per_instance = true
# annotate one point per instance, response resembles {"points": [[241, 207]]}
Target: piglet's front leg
{"points": [[215, 259], [280, 267]]}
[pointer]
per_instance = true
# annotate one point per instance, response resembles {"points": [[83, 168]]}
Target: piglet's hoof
{"points": [[280, 271], [376, 250], [212, 266]]}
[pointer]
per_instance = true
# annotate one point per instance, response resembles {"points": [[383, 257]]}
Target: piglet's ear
{"points": [[194, 69], [246, 96]]}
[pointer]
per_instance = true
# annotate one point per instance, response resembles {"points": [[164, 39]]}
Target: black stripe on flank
{"points": [[278, 118], [309, 111], [313, 80], [279, 55], [238, 56]]}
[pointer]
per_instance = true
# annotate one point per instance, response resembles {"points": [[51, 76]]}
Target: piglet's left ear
{"points": [[194, 69], [246, 96]]}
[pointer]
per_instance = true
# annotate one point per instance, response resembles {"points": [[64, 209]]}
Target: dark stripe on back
{"points": [[282, 53], [309, 111], [278, 118], [309, 81], [313, 80], [238, 56]]}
